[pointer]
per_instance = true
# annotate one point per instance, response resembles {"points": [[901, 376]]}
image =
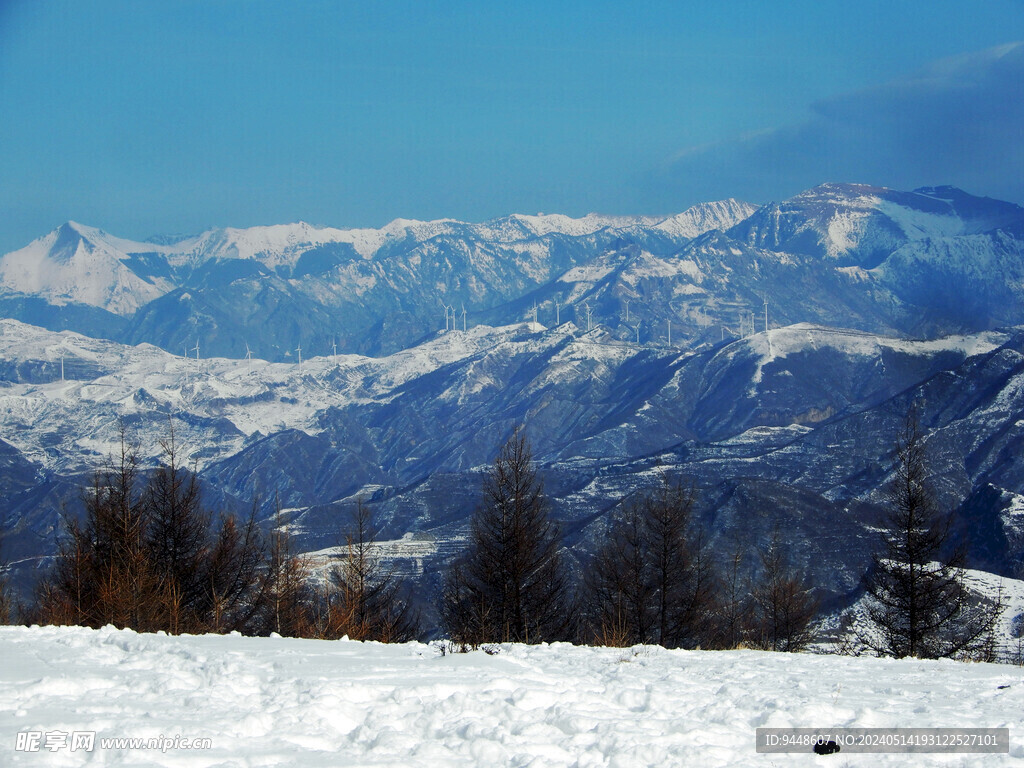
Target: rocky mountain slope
{"points": [[790, 428]]}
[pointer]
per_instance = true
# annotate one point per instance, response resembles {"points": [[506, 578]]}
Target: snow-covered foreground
{"points": [[274, 701]]}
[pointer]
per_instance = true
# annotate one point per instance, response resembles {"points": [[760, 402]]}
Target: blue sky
{"points": [[172, 117]]}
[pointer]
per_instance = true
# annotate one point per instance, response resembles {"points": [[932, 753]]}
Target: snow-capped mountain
{"points": [[76, 264], [276, 288], [856, 224], [931, 262]]}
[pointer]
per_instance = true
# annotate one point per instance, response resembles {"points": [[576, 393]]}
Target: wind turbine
{"points": [[248, 357], [446, 308], [299, 350], [766, 313], [463, 318], [535, 313], [586, 306], [669, 331], [558, 320], [627, 310], [334, 347]]}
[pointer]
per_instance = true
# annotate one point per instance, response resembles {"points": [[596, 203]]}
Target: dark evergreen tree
{"points": [[511, 584], [918, 603]]}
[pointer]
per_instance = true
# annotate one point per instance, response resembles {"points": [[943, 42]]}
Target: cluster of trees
{"points": [[148, 556], [654, 579], [651, 580]]}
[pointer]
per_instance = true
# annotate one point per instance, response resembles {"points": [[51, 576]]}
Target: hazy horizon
{"points": [[157, 119]]}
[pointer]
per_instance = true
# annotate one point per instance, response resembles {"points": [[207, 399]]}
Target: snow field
{"points": [[275, 701]]}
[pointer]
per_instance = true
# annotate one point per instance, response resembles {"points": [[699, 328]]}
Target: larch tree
{"points": [[620, 596], [651, 579], [918, 603], [177, 533], [784, 607], [150, 559], [290, 595], [370, 600], [102, 572], [683, 579], [511, 583]]}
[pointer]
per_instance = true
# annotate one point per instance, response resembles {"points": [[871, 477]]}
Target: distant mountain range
{"points": [[281, 287], [876, 299], [922, 263]]}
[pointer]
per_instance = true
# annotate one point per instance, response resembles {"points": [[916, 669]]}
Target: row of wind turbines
{"points": [[248, 356], [450, 318]]}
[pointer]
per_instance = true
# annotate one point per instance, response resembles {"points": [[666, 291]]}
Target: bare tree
{"points": [[918, 603], [6, 602], [371, 601], [734, 604], [177, 533], [465, 609], [652, 580], [290, 595], [102, 573], [620, 595], [682, 575], [236, 577], [783, 605], [511, 584]]}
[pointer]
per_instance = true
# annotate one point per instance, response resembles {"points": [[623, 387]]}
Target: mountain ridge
{"points": [[922, 263], [791, 428]]}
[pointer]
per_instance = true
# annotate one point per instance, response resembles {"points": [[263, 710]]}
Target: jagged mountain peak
{"points": [[77, 264], [704, 217]]}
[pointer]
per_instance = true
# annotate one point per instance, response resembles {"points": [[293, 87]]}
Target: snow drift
{"points": [[274, 701]]}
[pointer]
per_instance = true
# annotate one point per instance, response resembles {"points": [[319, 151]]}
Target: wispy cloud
{"points": [[959, 121]]}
